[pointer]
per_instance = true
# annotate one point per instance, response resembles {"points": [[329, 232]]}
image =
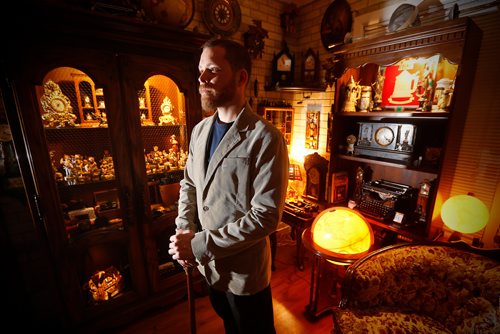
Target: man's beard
{"points": [[214, 99]]}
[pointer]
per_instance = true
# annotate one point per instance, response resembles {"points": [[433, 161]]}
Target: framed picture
{"points": [[408, 84], [339, 190], [312, 129], [329, 129]]}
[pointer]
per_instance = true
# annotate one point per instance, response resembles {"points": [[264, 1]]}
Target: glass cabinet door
{"points": [[73, 111], [161, 108], [161, 99]]}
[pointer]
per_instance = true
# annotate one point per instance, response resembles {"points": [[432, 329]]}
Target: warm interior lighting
{"points": [[342, 232], [294, 172], [293, 175], [464, 214]]}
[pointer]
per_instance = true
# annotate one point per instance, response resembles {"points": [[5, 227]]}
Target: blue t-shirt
{"points": [[217, 132]]}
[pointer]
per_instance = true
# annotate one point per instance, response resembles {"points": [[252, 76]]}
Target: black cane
{"points": [[192, 310]]}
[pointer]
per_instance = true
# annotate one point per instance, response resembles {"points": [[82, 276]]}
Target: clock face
{"points": [[222, 16], [314, 176], [284, 63], [58, 105], [384, 136], [309, 63], [393, 141]]}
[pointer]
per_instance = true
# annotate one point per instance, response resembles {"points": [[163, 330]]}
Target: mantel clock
{"points": [[386, 140]]}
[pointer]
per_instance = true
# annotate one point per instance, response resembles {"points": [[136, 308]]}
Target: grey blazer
{"points": [[238, 200]]}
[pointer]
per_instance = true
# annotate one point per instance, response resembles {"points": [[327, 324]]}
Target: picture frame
{"points": [[410, 83], [312, 129], [339, 189]]}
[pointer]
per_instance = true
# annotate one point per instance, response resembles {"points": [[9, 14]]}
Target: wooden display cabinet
{"points": [[403, 70], [102, 171]]}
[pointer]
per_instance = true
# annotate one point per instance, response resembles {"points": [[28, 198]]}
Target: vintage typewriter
{"points": [[381, 199]]}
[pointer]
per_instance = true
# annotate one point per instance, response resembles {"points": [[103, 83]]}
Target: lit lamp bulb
{"points": [[465, 214], [343, 232]]}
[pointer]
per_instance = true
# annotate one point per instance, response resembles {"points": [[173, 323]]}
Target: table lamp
{"points": [[464, 214]]}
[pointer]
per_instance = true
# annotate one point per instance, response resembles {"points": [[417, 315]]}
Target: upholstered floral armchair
{"points": [[421, 288]]}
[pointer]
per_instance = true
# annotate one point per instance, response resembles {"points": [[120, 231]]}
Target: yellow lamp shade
{"points": [[465, 214], [341, 230]]}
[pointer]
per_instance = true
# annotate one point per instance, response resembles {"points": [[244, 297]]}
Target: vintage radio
{"points": [[388, 201]]}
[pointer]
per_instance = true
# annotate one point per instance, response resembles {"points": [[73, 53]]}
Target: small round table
{"points": [[327, 273]]}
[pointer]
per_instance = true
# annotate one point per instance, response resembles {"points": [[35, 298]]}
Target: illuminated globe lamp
{"points": [[337, 238], [341, 235], [464, 214]]}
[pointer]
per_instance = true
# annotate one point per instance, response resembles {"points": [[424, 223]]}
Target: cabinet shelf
{"points": [[298, 89], [387, 163], [108, 234], [70, 130], [380, 115], [416, 232], [85, 186], [373, 160]]}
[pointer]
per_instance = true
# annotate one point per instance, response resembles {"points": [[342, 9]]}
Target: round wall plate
{"points": [[406, 15], [336, 23], [222, 17], [173, 13]]}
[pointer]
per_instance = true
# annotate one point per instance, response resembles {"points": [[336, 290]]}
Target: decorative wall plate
{"points": [[173, 13], [222, 17], [336, 23]]}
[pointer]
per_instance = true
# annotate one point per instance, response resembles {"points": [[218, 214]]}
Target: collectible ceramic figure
{"points": [[377, 91], [142, 103], [424, 91], [351, 140], [352, 96], [166, 117], [358, 190], [365, 99], [174, 143]]}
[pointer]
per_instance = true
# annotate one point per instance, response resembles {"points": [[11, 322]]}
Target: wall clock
{"points": [[283, 68], [310, 67], [222, 17]]}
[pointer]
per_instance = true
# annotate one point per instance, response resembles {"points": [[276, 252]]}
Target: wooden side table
{"points": [[298, 225], [327, 273]]}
